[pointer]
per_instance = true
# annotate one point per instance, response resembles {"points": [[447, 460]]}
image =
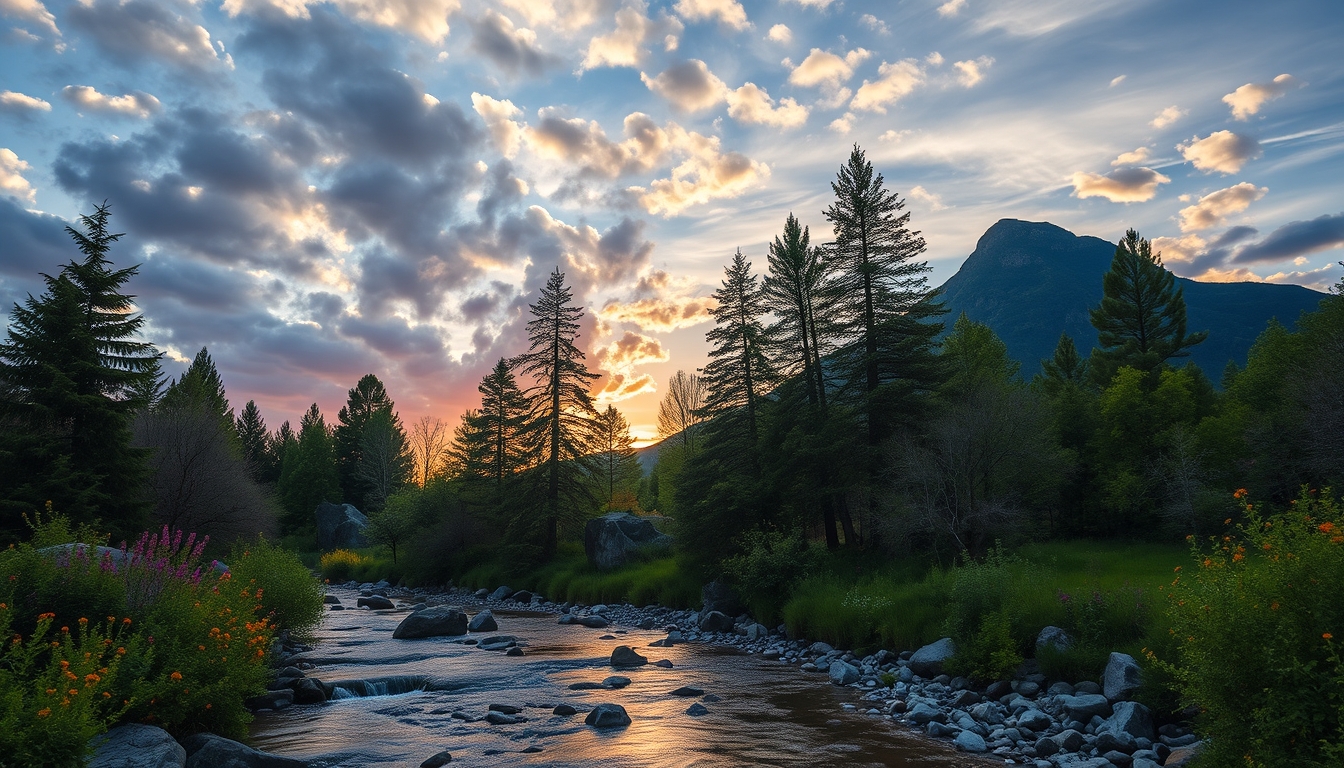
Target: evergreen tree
{"points": [[793, 292], [201, 385], [72, 373], [975, 358], [366, 398], [1066, 367], [738, 373], [1141, 319], [561, 408], [308, 473], [384, 458], [469, 453], [255, 441], [503, 417], [618, 465]]}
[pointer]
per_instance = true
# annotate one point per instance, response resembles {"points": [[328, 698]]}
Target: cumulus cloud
{"points": [[1167, 117], [512, 50], [130, 31], [498, 115], [1126, 185], [623, 386], [660, 304], [843, 124], [707, 173], [780, 34], [1213, 208], [894, 82], [729, 13], [813, 3], [566, 14], [1179, 250], [618, 361], [1295, 239], [627, 45], [1221, 151], [827, 70], [425, 19], [969, 73], [951, 7], [751, 104], [21, 103], [1247, 100], [688, 86], [875, 24], [1132, 158], [134, 104], [934, 201], [12, 181], [32, 11]]}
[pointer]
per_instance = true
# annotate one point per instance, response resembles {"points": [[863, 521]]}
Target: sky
{"points": [[320, 190]]}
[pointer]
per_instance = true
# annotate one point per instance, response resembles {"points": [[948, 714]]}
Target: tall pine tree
{"points": [[308, 474], [793, 292], [738, 372], [255, 442], [367, 397], [503, 416], [617, 465]]}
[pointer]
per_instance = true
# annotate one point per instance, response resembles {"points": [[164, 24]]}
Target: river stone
{"points": [[928, 661], [843, 673], [585, 686], [374, 602], [713, 621], [499, 718], [501, 593], [615, 682], [438, 761], [514, 651], [340, 526], [625, 656], [1133, 718], [696, 710], [563, 710], [1046, 746], [522, 596], [440, 621], [1082, 708], [607, 716], [969, 741], [687, 690], [206, 750], [1121, 678], [137, 746], [612, 539], [1109, 741], [481, 593], [507, 709], [308, 691], [592, 622], [483, 622], [331, 600], [1033, 720], [271, 700], [1069, 741], [1055, 638], [922, 713]]}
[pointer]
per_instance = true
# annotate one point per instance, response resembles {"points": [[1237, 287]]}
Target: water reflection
{"points": [[760, 712]]}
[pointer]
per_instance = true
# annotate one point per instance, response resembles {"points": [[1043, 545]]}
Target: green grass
{"points": [[569, 578]]}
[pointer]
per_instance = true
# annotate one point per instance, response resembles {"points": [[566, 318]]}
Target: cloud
{"points": [[425, 19], [659, 314], [12, 181], [135, 30], [780, 34], [1221, 151], [895, 81], [935, 202], [134, 104], [569, 15], [875, 24], [843, 124], [512, 50], [813, 3], [583, 144], [1126, 185], [1294, 239], [1118, 79], [688, 86], [827, 70], [626, 46], [729, 13], [951, 8], [1132, 158], [706, 174], [32, 11], [621, 386], [1179, 250], [751, 104], [1167, 117], [969, 73], [22, 103], [1212, 208], [498, 116], [1247, 100], [632, 349]]}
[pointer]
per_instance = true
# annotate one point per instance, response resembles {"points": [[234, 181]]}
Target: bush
{"points": [[1256, 621], [770, 565], [289, 594], [340, 564], [990, 653]]}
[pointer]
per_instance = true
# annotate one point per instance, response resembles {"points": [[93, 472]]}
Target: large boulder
{"points": [[713, 621], [483, 621], [1084, 707], [137, 746], [440, 621], [625, 656], [206, 750], [340, 526], [843, 673], [607, 716], [1132, 718], [928, 661], [1121, 678], [611, 540], [718, 596], [1054, 638]]}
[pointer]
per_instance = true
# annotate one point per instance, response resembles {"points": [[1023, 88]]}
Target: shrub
{"points": [[770, 565], [289, 594], [340, 564], [1257, 621], [990, 653]]}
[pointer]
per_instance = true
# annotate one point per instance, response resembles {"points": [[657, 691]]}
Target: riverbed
{"points": [[396, 699]]}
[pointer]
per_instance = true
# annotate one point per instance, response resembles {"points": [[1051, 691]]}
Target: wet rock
{"points": [[843, 673], [585, 686], [592, 622], [483, 622], [563, 710], [498, 642], [507, 709], [1082, 708], [532, 750], [501, 593], [137, 746], [664, 663], [308, 691], [522, 596], [928, 661], [270, 700], [338, 607], [615, 682], [969, 741], [499, 718], [340, 526], [612, 539], [374, 602], [331, 600], [1121, 678], [482, 593], [206, 750], [440, 621], [713, 621], [647, 624], [711, 698], [607, 716], [438, 761], [687, 690], [625, 656], [1132, 718], [514, 651], [696, 710]]}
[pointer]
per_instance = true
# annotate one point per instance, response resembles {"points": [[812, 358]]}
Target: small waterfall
{"points": [[382, 686]]}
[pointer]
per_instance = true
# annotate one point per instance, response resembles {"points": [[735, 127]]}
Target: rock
{"points": [[1086, 686], [438, 761], [592, 622], [717, 596], [482, 593], [563, 710], [308, 691], [522, 596], [969, 741], [664, 663], [1082, 708], [498, 642], [1069, 741], [757, 632], [206, 750], [1046, 746], [696, 710], [599, 608], [499, 718], [440, 621], [483, 622], [615, 682], [647, 624], [611, 540], [501, 593], [270, 700], [507, 709], [331, 600], [1027, 689], [137, 746], [1122, 677], [1132, 718], [585, 686], [1182, 756], [687, 690], [607, 716], [1108, 741], [922, 713], [819, 648], [625, 656], [843, 673], [514, 651], [998, 690], [340, 526], [928, 661], [713, 621], [1033, 720], [375, 602], [1053, 637]]}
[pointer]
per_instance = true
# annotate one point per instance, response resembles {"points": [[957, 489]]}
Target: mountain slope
{"points": [[1030, 281]]}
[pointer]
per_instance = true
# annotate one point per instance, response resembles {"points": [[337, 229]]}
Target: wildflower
{"points": [[176, 676], [1178, 569], [1326, 527], [83, 621], [1327, 636], [43, 712], [51, 691], [1267, 546], [1228, 521], [1238, 557], [1239, 494]]}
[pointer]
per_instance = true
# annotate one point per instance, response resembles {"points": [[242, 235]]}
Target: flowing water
{"points": [[395, 698]]}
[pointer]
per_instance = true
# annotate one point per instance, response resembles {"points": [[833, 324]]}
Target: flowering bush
{"points": [[1256, 623], [341, 564], [289, 595]]}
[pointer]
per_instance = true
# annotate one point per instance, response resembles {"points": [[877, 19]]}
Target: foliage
{"points": [[772, 563], [1265, 594], [617, 466], [737, 374], [290, 597], [395, 522], [384, 459], [368, 423], [255, 443], [341, 564], [989, 653], [308, 472], [681, 411], [569, 577]]}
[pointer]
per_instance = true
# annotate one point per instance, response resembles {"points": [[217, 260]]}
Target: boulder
{"points": [[969, 741], [1069, 741], [270, 700], [563, 710], [522, 596], [625, 656], [717, 596], [615, 682], [928, 661], [501, 593], [1132, 718], [1121, 678], [340, 526], [696, 710], [440, 621], [376, 602], [308, 691], [1033, 720], [206, 750], [1053, 637], [611, 540], [687, 690], [483, 622], [499, 718], [607, 716], [137, 746], [331, 600], [437, 761], [713, 621], [1083, 708], [843, 673], [592, 622], [922, 713]]}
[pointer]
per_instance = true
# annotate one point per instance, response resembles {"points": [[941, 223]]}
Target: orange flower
{"points": [[1274, 606], [1238, 557], [1326, 527], [1327, 636], [1178, 569], [1267, 546], [1239, 494], [176, 676], [43, 712], [83, 621]]}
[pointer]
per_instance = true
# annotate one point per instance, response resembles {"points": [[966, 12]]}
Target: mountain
{"points": [[1030, 281]]}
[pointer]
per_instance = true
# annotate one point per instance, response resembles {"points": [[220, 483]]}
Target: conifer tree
{"points": [[72, 373], [503, 417], [793, 292], [618, 465], [308, 476], [561, 408], [366, 398], [738, 372], [201, 385], [469, 451], [384, 458], [254, 440]]}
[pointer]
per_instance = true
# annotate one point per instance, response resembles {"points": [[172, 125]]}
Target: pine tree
{"points": [[738, 372], [793, 292], [469, 453], [1141, 319], [1066, 367], [255, 441], [618, 465], [561, 408], [72, 373], [503, 416], [384, 458], [201, 385], [367, 397], [308, 475], [976, 358]]}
